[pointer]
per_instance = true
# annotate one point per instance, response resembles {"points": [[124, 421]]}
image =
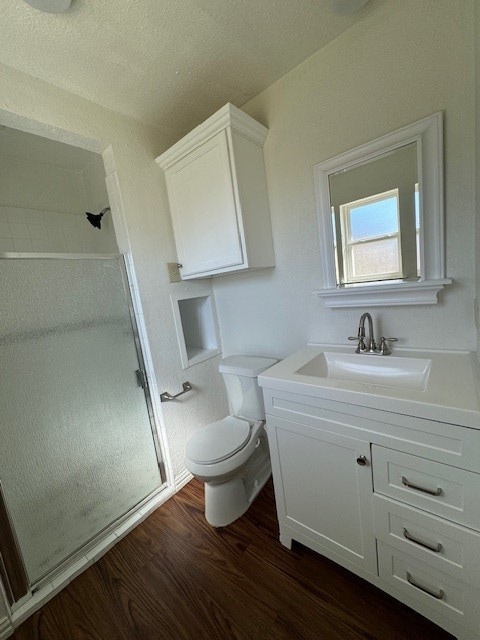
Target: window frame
{"points": [[348, 244]]}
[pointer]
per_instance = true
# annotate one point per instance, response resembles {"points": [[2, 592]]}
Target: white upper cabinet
{"points": [[218, 196]]}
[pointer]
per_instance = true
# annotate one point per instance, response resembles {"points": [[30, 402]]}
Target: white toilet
{"points": [[231, 456]]}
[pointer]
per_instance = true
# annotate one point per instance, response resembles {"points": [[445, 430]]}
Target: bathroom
{"points": [[398, 63]]}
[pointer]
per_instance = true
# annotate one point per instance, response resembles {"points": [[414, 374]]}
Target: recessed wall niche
{"points": [[196, 325]]}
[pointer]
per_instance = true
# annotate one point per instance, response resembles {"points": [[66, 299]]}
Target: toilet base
{"points": [[226, 501]]}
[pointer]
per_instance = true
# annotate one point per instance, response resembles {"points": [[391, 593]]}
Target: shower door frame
{"points": [[14, 552], [12, 568], [141, 361], [46, 126]]}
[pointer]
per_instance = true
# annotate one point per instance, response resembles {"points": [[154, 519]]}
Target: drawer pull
{"points": [[433, 547], [439, 595], [431, 492]]}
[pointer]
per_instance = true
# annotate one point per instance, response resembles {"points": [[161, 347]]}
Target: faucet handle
{"points": [[361, 343], [383, 348]]}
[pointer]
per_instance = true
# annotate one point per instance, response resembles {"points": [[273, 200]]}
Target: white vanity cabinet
{"points": [[325, 492], [218, 196], [393, 498]]}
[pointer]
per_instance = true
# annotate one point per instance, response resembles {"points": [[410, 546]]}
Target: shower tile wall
{"points": [[27, 230]]}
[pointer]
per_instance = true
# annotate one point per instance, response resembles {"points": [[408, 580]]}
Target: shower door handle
{"points": [[141, 378]]}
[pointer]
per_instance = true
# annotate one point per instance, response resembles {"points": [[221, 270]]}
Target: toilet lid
{"points": [[218, 440]]}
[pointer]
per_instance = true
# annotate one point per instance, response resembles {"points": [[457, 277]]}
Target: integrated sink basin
{"points": [[438, 385], [384, 371]]}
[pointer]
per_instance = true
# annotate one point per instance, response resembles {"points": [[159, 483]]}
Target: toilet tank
{"points": [[240, 375]]}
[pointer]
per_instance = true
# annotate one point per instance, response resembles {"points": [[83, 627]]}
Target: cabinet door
{"points": [[204, 211], [323, 493]]}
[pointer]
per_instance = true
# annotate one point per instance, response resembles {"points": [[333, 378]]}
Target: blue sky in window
{"points": [[374, 219]]}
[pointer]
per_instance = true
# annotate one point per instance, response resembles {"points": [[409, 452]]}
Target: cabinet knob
{"points": [[362, 461]]}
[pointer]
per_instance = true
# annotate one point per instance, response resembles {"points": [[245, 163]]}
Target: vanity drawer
{"points": [[445, 546], [426, 589], [437, 488]]}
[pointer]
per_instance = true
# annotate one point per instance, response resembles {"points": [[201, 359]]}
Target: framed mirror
{"points": [[381, 219]]}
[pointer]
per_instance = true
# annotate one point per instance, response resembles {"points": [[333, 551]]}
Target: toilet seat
{"points": [[219, 440]]}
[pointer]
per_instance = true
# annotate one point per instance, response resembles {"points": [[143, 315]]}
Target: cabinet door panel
{"points": [[204, 210], [325, 494]]}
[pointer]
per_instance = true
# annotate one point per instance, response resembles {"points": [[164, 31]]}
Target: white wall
{"points": [[477, 160], [95, 191], [405, 61], [44, 231], [42, 207], [34, 185], [27, 103], [96, 199]]}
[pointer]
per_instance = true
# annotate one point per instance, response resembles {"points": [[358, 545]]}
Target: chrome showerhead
{"points": [[95, 219]]}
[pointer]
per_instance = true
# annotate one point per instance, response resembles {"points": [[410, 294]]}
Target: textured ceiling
{"points": [[170, 63], [27, 146]]}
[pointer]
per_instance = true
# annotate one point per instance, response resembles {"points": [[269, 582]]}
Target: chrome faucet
{"points": [[371, 346]]}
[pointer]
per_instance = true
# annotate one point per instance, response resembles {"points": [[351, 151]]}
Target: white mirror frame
{"points": [[428, 134]]}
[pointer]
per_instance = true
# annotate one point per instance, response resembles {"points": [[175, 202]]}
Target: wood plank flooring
{"points": [[176, 578]]}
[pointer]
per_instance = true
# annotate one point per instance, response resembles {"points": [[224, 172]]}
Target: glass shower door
{"points": [[76, 444]]}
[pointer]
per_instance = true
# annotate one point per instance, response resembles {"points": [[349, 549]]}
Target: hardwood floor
{"points": [[176, 578]]}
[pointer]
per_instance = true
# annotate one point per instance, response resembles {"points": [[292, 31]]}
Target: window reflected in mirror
{"points": [[381, 220], [376, 217]]}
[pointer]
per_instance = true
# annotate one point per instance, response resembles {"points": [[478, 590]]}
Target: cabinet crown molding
{"points": [[227, 116]]}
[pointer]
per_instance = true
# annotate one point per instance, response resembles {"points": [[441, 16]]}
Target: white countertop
{"points": [[450, 395]]}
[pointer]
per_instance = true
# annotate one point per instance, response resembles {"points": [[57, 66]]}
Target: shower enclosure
{"points": [[77, 443]]}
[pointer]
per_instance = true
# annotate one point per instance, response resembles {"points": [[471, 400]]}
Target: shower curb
{"points": [[80, 564]]}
